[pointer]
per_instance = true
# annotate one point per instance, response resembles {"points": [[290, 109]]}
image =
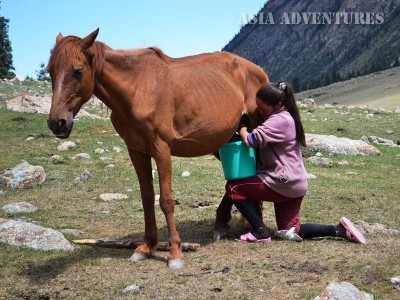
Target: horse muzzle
{"points": [[60, 128]]}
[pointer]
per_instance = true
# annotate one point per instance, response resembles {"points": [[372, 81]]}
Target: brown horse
{"points": [[161, 106]]}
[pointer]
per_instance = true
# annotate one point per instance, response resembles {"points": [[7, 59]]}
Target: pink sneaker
{"points": [[250, 238], [352, 233]]}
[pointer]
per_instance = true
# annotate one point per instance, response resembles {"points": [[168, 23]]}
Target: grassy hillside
{"points": [[365, 189], [376, 90]]}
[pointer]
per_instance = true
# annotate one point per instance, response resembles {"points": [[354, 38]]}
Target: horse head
{"points": [[70, 69]]}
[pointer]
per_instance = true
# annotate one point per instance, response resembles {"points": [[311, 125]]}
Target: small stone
{"points": [[320, 161], [110, 166], [103, 158], [185, 174], [29, 138], [117, 149], [81, 156], [311, 176], [343, 163], [85, 175], [64, 146], [131, 288], [389, 131], [99, 151], [157, 200], [113, 197], [396, 282], [19, 207], [56, 159]]}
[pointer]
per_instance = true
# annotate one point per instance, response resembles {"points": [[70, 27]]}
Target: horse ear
{"points": [[59, 37], [88, 41]]}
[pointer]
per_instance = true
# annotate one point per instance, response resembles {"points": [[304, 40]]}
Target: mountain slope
{"points": [[318, 48]]}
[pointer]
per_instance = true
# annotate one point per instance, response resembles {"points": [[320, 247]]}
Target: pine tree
{"points": [[42, 73], [6, 61]]}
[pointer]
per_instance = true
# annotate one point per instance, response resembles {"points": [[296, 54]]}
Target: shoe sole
{"points": [[352, 233], [263, 241]]}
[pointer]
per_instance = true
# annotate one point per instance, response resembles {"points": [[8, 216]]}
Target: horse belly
{"points": [[201, 142]]}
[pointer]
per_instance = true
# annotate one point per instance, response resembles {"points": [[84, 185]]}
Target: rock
{"points": [[81, 156], [157, 200], [343, 291], [19, 207], [113, 197], [311, 176], [104, 158], [389, 131], [381, 141], [64, 146], [56, 159], [32, 236], [117, 149], [99, 151], [375, 229], [85, 175], [396, 282], [320, 161], [308, 102], [335, 145], [23, 176], [131, 288], [185, 174], [39, 104], [397, 110]]}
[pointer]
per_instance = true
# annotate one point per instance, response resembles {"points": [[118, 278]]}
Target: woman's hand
{"points": [[243, 135]]}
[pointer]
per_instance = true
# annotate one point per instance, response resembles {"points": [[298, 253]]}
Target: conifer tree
{"points": [[6, 60]]}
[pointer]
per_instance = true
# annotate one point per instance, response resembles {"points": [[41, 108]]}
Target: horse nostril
{"points": [[57, 126], [62, 123]]}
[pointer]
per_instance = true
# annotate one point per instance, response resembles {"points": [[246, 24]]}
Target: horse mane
{"points": [[68, 48]]}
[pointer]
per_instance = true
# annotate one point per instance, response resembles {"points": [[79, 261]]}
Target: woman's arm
{"points": [[243, 134]]}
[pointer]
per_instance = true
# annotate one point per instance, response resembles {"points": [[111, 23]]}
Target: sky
{"points": [[178, 27]]}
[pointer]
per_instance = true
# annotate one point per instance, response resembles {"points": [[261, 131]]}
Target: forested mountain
{"points": [[311, 43]]}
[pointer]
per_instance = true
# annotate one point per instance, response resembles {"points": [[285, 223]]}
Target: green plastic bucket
{"points": [[238, 160]]}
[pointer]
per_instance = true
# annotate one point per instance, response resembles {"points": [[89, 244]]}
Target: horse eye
{"points": [[78, 71]]}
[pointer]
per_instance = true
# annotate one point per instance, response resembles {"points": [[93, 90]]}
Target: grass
{"points": [[281, 270]]}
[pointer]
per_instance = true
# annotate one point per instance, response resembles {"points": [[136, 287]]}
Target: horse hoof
{"points": [[219, 234], [176, 263], [138, 257]]}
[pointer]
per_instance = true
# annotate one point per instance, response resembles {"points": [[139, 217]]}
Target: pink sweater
{"points": [[281, 164]]}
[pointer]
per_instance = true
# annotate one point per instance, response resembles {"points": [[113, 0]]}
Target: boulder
{"points": [[336, 145], [343, 291], [23, 176], [19, 207], [32, 236]]}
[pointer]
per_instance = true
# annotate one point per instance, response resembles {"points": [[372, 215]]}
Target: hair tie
{"points": [[282, 86]]}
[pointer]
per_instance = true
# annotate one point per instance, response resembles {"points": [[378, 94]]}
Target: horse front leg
{"points": [[142, 165], [164, 167]]}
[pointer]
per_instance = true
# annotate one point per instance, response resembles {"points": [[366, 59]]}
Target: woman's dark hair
{"points": [[272, 93]]}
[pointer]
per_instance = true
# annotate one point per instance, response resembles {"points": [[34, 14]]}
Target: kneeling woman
{"points": [[281, 177]]}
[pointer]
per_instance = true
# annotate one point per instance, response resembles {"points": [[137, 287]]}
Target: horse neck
{"points": [[111, 86]]}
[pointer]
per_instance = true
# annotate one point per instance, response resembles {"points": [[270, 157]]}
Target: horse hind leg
{"points": [[142, 165]]}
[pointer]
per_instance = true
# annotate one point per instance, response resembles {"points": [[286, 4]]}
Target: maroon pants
{"points": [[287, 210]]}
